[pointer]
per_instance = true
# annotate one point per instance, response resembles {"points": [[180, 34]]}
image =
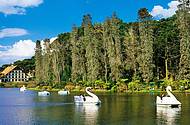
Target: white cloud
{"points": [[20, 50], [10, 32], [4, 47], [160, 12], [17, 6]]}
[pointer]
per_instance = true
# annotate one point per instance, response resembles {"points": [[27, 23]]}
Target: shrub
{"points": [[99, 84], [31, 85], [121, 85], [70, 86], [108, 85], [134, 85], [59, 85], [2, 85], [184, 84]]}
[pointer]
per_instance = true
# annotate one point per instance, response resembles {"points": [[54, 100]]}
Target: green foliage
{"points": [[109, 85], [134, 85], [185, 84], [60, 85], [114, 88], [145, 55], [121, 85], [26, 65], [2, 85], [183, 19], [49, 88], [99, 84], [101, 54]]}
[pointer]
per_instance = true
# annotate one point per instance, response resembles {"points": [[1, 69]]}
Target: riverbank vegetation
{"points": [[118, 56], [115, 55]]}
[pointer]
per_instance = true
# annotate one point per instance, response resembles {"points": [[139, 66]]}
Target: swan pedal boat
{"points": [[23, 88], [87, 100], [63, 92], [44, 93], [168, 101]]}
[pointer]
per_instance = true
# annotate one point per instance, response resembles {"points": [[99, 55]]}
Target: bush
{"points": [[114, 88], [121, 85], [47, 88], [184, 84], [70, 86], [59, 85], [134, 85], [2, 85], [99, 84], [31, 85], [108, 85]]}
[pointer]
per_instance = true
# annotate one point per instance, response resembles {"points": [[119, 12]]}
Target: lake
{"points": [[26, 108]]}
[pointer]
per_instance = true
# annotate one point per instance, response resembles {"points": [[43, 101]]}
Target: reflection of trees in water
{"points": [[127, 109], [167, 115], [86, 114]]}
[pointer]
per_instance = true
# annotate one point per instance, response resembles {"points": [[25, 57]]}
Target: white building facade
{"points": [[13, 74]]}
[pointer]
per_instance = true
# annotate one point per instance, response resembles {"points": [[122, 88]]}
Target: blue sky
{"points": [[23, 22]]}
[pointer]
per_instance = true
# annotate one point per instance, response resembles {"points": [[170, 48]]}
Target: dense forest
{"points": [[115, 53]]}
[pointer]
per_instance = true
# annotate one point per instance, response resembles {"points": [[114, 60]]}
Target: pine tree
{"points": [[57, 60], [131, 49], [75, 55], [146, 43], [47, 70], [113, 43], [38, 62], [65, 60], [184, 28]]}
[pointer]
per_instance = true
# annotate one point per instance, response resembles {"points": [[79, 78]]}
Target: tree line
{"points": [[147, 50]]}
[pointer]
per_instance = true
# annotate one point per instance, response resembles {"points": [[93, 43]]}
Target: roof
{"points": [[8, 70]]}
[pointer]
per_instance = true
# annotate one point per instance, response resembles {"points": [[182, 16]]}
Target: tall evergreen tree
{"points": [[57, 60], [48, 76], [131, 46], [38, 62], [105, 39], [65, 56], [113, 46], [166, 47], [146, 43], [184, 29], [75, 55]]}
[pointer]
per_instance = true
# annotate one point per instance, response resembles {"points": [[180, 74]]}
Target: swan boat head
{"points": [[168, 88], [91, 99]]}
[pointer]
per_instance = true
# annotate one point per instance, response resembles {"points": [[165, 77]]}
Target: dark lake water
{"points": [[18, 108]]}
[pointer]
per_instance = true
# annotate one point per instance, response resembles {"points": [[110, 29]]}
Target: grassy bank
{"points": [[79, 88]]}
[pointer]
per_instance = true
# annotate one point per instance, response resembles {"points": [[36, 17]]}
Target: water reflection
{"points": [[167, 115], [87, 114]]}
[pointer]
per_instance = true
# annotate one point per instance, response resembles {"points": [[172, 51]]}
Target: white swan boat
{"points": [[168, 101], [23, 88], [63, 92], [44, 93], [83, 100]]}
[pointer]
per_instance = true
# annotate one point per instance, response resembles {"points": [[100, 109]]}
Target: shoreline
{"points": [[78, 88], [104, 91]]}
